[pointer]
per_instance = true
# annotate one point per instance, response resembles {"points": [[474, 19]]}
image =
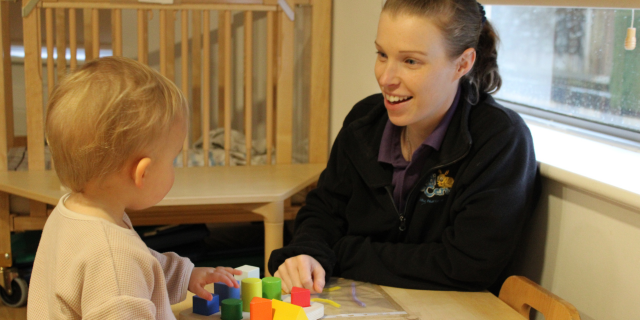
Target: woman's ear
{"points": [[465, 62], [140, 171]]}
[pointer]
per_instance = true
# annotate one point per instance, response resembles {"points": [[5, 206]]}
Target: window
{"points": [[570, 63]]}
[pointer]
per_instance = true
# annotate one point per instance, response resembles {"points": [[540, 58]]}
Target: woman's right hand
{"points": [[301, 271]]}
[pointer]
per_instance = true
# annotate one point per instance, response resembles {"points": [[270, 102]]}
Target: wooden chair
{"points": [[200, 194], [523, 294]]}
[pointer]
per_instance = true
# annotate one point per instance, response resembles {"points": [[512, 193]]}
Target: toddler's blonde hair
{"points": [[106, 113]]}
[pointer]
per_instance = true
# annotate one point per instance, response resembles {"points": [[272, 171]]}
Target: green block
{"points": [[231, 309], [272, 288], [251, 287]]}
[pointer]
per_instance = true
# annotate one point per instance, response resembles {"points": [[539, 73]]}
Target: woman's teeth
{"points": [[394, 99]]}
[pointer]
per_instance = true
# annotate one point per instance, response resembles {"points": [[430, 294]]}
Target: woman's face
{"points": [[418, 79]]}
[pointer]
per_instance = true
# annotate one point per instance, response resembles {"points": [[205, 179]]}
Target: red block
{"points": [[260, 309], [301, 297]]}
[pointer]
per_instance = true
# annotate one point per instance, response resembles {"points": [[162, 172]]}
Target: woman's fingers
{"points": [[318, 278]]}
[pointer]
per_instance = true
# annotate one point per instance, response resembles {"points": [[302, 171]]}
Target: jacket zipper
{"points": [[403, 220]]}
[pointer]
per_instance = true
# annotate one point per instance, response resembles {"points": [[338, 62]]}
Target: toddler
{"points": [[114, 128]]}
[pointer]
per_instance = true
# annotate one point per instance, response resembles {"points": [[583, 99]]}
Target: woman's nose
{"points": [[388, 76]]}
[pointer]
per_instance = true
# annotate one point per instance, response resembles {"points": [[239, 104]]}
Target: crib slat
{"points": [[170, 43], [184, 46], [196, 74], [143, 37], [270, 81], [61, 42], [284, 91], [163, 44], [73, 40], [48, 17], [116, 32], [206, 84], [248, 82], [320, 81], [6, 88], [222, 24], [88, 39], [33, 90], [226, 83], [95, 33]]}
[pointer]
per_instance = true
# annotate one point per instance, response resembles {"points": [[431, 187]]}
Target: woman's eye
{"points": [[411, 61], [381, 54]]}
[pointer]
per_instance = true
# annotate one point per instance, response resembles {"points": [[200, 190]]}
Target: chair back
{"points": [[522, 294]]}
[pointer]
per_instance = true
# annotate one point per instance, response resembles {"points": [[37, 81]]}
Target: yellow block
{"points": [[287, 311]]}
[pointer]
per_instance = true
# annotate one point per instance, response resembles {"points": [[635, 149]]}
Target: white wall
{"points": [[582, 247]]}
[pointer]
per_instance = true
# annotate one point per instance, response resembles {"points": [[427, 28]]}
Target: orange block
{"points": [[260, 309]]}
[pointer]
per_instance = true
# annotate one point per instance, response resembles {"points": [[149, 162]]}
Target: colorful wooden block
{"points": [[261, 309], [204, 307], [287, 311], [226, 292], [231, 309], [300, 297], [251, 287], [272, 288], [248, 272]]}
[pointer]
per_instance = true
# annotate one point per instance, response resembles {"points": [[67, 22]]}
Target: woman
{"points": [[429, 184]]}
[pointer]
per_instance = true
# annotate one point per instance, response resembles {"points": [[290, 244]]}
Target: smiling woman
{"points": [[430, 183]]}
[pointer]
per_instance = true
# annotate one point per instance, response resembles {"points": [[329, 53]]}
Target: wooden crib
{"points": [[220, 193]]}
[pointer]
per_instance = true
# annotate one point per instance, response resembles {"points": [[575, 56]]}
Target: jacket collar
{"points": [[365, 134]]}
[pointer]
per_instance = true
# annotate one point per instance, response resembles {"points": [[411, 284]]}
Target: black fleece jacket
{"points": [[459, 235]]}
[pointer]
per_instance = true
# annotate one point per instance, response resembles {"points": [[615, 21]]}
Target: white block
{"points": [[248, 272]]}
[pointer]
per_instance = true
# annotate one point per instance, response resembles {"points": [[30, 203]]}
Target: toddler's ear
{"points": [[140, 171]]}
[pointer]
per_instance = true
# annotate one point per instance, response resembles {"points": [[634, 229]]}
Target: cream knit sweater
{"points": [[89, 268]]}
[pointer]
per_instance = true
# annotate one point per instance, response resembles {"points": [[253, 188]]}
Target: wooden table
{"points": [[429, 305], [451, 305], [199, 195]]}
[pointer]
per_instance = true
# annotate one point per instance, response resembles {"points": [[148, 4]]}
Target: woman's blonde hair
{"points": [[106, 113], [463, 26]]}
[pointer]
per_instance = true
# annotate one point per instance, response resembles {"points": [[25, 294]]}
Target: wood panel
{"points": [[73, 40], [116, 32], [320, 81], [61, 43], [33, 89], [284, 91], [224, 117], [271, 43], [48, 20], [206, 84], [196, 74], [147, 6], [248, 83], [6, 88], [143, 37], [88, 38], [184, 55], [95, 33]]}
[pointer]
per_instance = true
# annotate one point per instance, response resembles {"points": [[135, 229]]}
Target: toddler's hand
{"points": [[200, 277]]}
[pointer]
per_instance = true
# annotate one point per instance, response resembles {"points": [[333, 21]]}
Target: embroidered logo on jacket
{"points": [[438, 185]]}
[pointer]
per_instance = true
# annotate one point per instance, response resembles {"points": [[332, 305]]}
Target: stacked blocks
{"points": [[231, 309], [287, 311], [204, 307], [260, 309], [300, 297], [248, 272], [251, 287], [226, 292], [272, 288]]}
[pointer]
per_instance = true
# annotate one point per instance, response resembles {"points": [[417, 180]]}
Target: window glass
{"points": [[570, 61]]}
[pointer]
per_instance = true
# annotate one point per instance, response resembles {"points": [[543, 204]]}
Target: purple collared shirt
{"points": [[405, 173]]}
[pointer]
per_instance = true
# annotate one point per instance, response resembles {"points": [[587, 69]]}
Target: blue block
{"points": [[204, 307], [225, 292]]}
